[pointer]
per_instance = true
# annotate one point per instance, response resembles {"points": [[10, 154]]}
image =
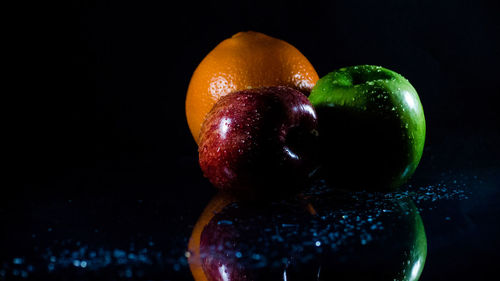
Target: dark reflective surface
{"points": [[112, 236], [327, 235]]}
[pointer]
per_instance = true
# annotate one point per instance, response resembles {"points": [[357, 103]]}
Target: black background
{"points": [[103, 85], [116, 115]]}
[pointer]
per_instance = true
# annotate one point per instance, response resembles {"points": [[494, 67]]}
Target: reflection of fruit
{"points": [[216, 245], [246, 60], [390, 245], [372, 127], [214, 206], [256, 139], [350, 238]]}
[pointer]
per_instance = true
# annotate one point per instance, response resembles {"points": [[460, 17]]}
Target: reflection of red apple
{"points": [[260, 138], [214, 206], [214, 247]]}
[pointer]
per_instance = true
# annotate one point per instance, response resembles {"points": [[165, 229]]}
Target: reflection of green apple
{"points": [[372, 127], [395, 246]]}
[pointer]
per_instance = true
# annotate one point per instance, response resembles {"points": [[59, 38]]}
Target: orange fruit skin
{"points": [[246, 60]]}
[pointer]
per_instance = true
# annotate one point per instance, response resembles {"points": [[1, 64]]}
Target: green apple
{"points": [[371, 126]]}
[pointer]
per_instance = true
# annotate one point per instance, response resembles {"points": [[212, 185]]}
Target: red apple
{"points": [[259, 139]]}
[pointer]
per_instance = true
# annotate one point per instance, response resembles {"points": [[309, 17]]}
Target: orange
{"points": [[246, 60]]}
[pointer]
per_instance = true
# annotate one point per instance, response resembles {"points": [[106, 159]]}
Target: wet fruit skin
{"points": [[260, 139], [246, 60], [372, 127]]}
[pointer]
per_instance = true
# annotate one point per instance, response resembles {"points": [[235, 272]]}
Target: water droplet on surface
{"points": [[224, 222]]}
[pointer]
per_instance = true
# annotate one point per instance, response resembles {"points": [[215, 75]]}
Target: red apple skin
{"points": [[259, 139]]}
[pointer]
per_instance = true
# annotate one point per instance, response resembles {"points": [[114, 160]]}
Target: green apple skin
{"points": [[371, 126]]}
